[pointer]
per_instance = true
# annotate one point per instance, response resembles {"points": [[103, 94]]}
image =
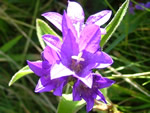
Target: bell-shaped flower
{"points": [[77, 56], [42, 69], [73, 58], [80, 90], [76, 14]]}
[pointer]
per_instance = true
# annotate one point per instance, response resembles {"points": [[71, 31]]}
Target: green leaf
{"points": [[67, 105], [22, 72], [43, 28], [9, 45], [115, 22]]}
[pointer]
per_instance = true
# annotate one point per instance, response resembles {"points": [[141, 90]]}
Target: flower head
{"points": [[78, 56], [42, 69], [139, 6], [73, 58], [89, 94], [76, 14]]}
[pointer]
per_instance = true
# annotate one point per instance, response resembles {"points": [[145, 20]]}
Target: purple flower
{"points": [[131, 8], [139, 6], [147, 5], [42, 69], [78, 56], [76, 14], [89, 94], [73, 58]]}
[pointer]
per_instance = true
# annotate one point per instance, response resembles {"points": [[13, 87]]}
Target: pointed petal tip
{"points": [[75, 11], [37, 88], [112, 82], [54, 18], [99, 18], [28, 62], [90, 104], [58, 92], [44, 14]]}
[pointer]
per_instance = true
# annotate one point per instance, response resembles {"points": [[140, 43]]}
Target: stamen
{"points": [[76, 65], [78, 58]]}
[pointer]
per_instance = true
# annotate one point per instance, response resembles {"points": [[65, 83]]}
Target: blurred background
{"points": [[129, 47]]}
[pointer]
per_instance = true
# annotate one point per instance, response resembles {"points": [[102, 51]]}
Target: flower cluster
{"points": [[73, 58], [138, 6]]}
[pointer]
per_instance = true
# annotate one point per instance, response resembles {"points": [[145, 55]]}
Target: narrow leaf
{"points": [[43, 28], [67, 105], [115, 22], [22, 72], [10, 44]]}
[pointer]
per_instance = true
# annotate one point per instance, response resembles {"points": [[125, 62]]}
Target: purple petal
{"points": [[89, 100], [76, 91], [88, 64], [50, 55], [102, 60], [100, 96], [67, 24], [147, 5], [53, 42], [102, 82], [75, 12], [59, 70], [99, 18], [45, 66], [69, 48], [36, 67], [54, 18], [90, 38], [105, 83], [131, 10], [58, 90], [87, 80], [139, 6], [60, 84], [45, 85]]}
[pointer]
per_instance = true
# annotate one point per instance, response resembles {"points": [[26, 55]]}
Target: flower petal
{"points": [[89, 100], [59, 70], [99, 18], [45, 85], [69, 48], [90, 38], [36, 67], [50, 55], [147, 5], [76, 91], [60, 84], [75, 12], [54, 18], [87, 80], [101, 60], [52, 41], [139, 7], [100, 96], [67, 24], [102, 82]]}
